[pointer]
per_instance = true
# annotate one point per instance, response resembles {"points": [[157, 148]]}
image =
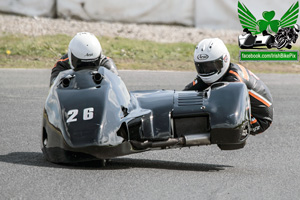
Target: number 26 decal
{"points": [[88, 114]]}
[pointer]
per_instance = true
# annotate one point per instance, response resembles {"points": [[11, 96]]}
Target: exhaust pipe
{"points": [[66, 80], [188, 140], [197, 139], [97, 77]]}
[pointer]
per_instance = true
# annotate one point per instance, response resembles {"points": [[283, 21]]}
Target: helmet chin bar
{"points": [[210, 74]]}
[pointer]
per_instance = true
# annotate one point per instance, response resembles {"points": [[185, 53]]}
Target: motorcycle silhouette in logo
{"points": [[286, 36]]}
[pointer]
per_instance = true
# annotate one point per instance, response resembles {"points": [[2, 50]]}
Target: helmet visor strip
{"points": [[77, 63], [210, 67]]}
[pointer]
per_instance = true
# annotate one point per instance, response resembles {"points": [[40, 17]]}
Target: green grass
{"points": [[20, 51]]}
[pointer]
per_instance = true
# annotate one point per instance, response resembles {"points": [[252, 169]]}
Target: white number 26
{"points": [[88, 114]]}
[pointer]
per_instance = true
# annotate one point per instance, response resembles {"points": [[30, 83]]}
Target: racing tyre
{"points": [[232, 146], [281, 43], [270, 42], [269, 46]]}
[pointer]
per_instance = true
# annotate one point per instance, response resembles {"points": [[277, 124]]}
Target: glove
{"points": [[255, 126]]}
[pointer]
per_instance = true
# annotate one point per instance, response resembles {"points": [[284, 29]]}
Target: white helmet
{"points": [[211, 59], [84, 50]]}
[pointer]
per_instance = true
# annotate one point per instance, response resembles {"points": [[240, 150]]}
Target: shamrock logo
{"points": [[268, 24]]}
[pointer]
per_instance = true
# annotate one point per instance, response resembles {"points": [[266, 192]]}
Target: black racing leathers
{"points": [[64, 64], [260, 96]]}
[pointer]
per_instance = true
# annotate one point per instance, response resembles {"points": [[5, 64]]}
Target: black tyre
{"points": [[270, 42], [231, 146], [281, 43], [269, 46]]}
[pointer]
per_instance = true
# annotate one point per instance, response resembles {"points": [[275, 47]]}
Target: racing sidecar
{"points": [[247, 40], [89, 114]]}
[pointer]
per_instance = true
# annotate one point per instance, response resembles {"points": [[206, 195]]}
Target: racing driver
{"points": [[84, 51], [212, 61]]}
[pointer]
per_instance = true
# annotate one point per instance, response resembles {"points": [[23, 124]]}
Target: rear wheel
{"points": [[270, 42], [244, 135], [44, 144], [269, 46], [232, 146]]}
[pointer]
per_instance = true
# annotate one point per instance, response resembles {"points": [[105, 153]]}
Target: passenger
{"points": [[212, 61]]}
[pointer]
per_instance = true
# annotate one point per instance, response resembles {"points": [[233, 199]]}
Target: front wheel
{"points": [[281, 43]]}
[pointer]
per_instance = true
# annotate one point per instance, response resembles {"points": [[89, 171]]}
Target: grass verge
{"points": [[20, 51]]}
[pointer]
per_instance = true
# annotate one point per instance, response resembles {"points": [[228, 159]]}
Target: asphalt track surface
{"points": [[267, 168]]}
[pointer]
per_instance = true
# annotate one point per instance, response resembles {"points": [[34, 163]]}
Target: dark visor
{"points": [[77, 63], [210, 67]]}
